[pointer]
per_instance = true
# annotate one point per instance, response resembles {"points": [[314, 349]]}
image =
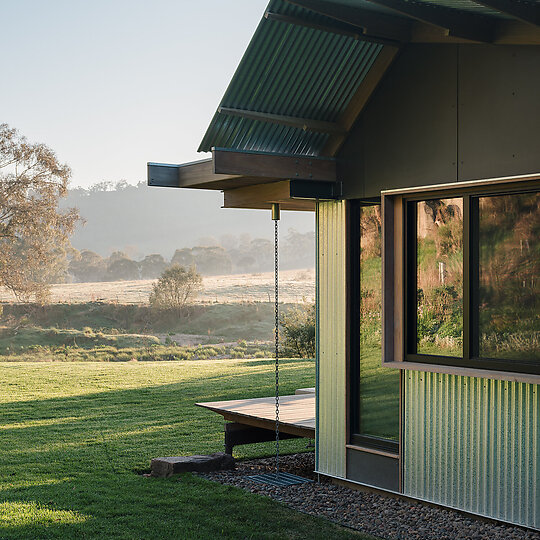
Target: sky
{"points": [[112, 84]]}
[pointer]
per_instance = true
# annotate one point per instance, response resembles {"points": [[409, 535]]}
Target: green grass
{"points": [[220, 322], [379, 395], [28, 338], [34, 344], [74, 435]]}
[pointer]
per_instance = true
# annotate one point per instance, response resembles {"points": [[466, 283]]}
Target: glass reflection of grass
{"points": [[379, 404], [379, 387], [509, 232]]}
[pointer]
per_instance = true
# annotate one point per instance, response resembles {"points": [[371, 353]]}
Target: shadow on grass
{"points": [[66, 466], [136, 507]]}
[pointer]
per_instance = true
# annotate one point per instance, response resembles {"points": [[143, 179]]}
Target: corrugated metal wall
{"points": [[473, 444], [330, 443]]}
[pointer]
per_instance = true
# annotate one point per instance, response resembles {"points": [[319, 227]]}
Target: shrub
{"points": [[176, 288], [299, 332]]}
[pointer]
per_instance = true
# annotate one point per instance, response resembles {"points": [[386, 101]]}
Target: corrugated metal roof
{"points": [[301, 72], [295, 71]]}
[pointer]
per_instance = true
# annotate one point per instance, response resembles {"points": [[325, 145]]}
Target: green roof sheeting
{"points": [[304, 72], [293, 71]]}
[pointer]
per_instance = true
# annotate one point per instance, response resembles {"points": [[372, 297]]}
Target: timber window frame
{"points": [[399, 288]]}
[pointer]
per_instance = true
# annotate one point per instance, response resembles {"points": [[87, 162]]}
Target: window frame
{"points": [[356, 437], [399, 265]]}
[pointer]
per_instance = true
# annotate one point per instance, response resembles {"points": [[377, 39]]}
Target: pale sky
{"points": [[112, 84]]}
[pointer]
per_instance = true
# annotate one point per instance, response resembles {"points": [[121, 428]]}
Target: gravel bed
{"points": [[381, 516]]}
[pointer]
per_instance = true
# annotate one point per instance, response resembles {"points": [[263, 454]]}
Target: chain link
{"points": [[276, 335]]}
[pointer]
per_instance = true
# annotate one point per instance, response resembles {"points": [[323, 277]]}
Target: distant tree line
{"points": [[234, 255], [142, 219]]}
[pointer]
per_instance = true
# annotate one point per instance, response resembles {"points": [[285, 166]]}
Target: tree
{"points": [[211, 260], [122, 269], [183, 257], [298, 334], [32, 228], [298, 249], [152, 266], [176, 288], [87, 266]]}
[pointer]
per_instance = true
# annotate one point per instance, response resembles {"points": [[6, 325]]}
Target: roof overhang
{"points": [[505, 22], [307, 75], [254, 179]]}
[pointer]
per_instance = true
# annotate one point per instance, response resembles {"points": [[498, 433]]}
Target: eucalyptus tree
{"points": [[34, 233]]}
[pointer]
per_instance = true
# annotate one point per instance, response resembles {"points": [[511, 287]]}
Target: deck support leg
{"points": [[237, 434]]}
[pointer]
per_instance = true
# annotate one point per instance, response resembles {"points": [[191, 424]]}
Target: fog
{"points": [[141, 220]]}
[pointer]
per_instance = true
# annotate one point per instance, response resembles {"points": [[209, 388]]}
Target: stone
{"points": [[300, 391], [163, 467]]}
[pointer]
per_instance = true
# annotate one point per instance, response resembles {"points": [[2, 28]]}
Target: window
{"points": [[439, 277], [375, 395], [509, 277], [468, 259]]}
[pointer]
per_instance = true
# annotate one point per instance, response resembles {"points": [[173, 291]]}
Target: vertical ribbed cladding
{"points": [[294, 71], [473, 444], [331, 232]]}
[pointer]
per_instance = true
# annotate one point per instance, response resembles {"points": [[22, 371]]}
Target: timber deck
{"points": [[296, 413]]}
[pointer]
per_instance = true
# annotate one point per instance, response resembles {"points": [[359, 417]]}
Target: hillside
{"points": [[141, 220]]}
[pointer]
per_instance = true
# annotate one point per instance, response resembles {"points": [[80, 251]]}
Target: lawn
{"points": [[25, 328], [74, 436]]}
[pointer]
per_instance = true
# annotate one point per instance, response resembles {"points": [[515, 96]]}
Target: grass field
{"points": [[122, 332], [74, 437]]}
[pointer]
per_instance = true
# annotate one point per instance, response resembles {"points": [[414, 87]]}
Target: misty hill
{"points": [[141, 220]]}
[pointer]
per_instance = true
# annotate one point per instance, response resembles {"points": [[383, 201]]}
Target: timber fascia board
{"points": [[235, 168]]}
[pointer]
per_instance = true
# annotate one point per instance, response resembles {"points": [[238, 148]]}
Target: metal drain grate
{"points": [[280, 479]]}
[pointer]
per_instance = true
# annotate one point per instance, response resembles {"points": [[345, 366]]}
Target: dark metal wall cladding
{"points": [[294, 71], [446, 113]]}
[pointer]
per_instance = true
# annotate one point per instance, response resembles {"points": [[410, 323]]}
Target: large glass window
{"points": [[509, 291], [378, 387], [472, 280]]}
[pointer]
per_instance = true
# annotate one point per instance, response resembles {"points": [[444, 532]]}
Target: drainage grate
{"points": [[280, 479]]}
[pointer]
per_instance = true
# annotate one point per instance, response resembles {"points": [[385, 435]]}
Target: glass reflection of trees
{"points": [[509, 235], [379, 387], [440, 277]]}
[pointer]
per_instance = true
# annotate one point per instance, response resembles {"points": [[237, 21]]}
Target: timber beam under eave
{"points": [[299, 195], [269, 165], [229, 169]]}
